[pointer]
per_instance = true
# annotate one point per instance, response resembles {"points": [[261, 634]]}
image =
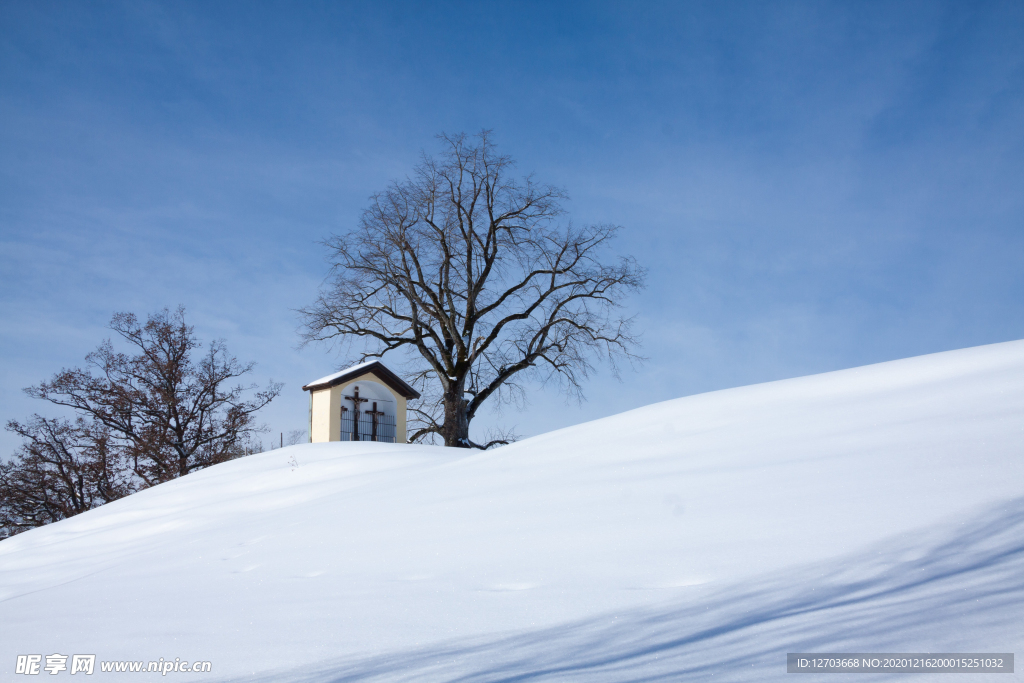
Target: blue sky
{"points": [[812, 186]]}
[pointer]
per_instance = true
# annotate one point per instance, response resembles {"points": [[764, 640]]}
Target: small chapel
{"points": [[365, 402]]}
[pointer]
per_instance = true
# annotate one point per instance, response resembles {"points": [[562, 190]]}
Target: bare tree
{"points": [[62, 469], [479, 276], [296, 436], [164, 411]]}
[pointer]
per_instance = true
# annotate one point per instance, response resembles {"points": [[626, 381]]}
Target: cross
{"points": [[355, 412], [376, 415]]}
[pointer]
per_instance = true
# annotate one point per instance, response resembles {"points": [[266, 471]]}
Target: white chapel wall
{"points": [[320, 417]]}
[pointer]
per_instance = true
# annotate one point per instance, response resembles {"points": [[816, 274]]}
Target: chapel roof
{"points": [[376, 367]]}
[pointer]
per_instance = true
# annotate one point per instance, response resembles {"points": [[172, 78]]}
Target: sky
{"points": [[812, 186]]}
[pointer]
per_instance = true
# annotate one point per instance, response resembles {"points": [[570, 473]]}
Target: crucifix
{"points": [[375, 414], [355, 412]]}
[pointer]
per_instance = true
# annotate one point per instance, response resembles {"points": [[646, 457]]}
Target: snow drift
{"points": [[873, 509]]}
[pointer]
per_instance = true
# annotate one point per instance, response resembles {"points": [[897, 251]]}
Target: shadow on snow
{"points": [[935, 591]]}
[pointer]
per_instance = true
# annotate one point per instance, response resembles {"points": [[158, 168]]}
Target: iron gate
{"points": [[372, 427]]}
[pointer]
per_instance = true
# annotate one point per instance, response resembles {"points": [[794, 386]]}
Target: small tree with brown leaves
{"points": [[166, 411], [476, 273], [63, 468]]}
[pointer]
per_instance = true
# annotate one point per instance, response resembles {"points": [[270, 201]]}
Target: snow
{"points": [[329, 378], [878, 509]]}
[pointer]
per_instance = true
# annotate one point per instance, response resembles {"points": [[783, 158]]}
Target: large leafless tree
{"points": [[480, 276]]}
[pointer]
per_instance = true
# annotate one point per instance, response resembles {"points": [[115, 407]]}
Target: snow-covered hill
{"points": [[874, 509]]}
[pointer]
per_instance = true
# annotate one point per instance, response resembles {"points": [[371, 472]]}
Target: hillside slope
{"points": [[873, 509]]}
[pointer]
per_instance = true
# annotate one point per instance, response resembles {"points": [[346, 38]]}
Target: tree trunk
{"points": [[456, 417]]}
